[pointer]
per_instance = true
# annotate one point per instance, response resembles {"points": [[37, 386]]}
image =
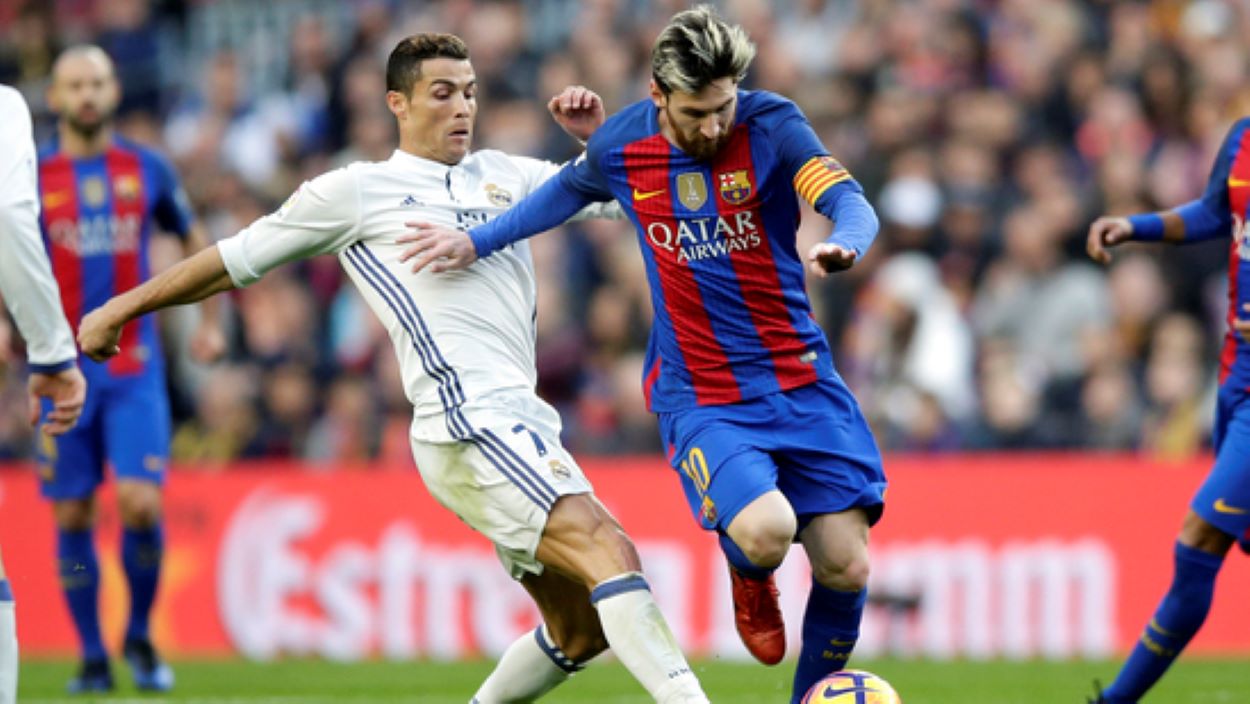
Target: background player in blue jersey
{"points": [[1220, 511], [30, 293], [768, 442], [102, 197]]}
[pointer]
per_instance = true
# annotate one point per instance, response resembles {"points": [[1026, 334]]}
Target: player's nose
{"points": [[712, 128]]}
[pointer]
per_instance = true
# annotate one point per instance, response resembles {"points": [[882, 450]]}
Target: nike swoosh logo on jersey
{"points": [[644, 195], [1222, 507], [54, 199]]}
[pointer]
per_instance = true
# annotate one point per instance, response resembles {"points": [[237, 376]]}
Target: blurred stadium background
{"points": [[1045, 418]]}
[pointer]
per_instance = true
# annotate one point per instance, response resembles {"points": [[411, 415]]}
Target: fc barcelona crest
{"points": [[126, 187], [692, 190], [735, 186]]}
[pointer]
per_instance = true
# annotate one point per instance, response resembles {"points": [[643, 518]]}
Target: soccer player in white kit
{"points": [[486, 446], [33, 298]]}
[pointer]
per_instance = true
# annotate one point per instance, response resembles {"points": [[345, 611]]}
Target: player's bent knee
{"points": [[765, 542], [140, 508], [74, 515], [850, 576]]}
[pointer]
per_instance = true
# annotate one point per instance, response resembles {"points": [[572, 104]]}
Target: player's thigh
{"points": [[827, 458], [568, 614], [71, 465], [503, 484], [1223, 500], [135, 416], [719, 461]]}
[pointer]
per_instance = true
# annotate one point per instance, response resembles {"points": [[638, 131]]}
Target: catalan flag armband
{"points": [[817, 176]]}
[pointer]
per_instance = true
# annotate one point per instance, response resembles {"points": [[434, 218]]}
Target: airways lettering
{"points": [[102, 234], [692, 239]]}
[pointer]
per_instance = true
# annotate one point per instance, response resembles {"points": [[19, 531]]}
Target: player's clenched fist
{"points": [[1107, 232], [98, 335]]}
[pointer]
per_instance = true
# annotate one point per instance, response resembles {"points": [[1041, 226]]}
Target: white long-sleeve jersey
{"points": [[26, 280], [463, 338]]}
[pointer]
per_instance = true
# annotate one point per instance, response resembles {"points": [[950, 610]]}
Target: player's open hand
{"points": [[825, 258], [438, 247], [98, 335], [578, 110], [1106, 232], [66, 389]]}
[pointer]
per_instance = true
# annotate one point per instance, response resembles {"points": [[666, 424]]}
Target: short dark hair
{"points": [[403, 68], [698, 47]]}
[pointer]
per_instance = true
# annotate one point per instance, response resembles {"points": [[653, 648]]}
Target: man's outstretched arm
{"points": [[445, 248], [188, 281]]}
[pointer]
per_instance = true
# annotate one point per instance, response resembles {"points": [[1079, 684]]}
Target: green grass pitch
{"points": [[1191, 681]]}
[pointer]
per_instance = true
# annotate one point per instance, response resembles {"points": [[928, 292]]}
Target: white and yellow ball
{"points": [[851, 687]]}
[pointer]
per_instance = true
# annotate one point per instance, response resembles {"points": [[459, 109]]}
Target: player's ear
{"points": [[657, 95], [397, 103], [52, 97], [114, 92]]}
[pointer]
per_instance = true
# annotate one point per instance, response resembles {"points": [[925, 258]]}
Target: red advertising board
{"points": [[983, 556]]}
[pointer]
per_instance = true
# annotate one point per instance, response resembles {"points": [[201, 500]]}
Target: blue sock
{"points": [[142, 549], [80, 580], [739, 561], [1177, 619], [830, 629]]}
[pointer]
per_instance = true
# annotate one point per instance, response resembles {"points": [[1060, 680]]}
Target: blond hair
{"points": [[698, 47]]}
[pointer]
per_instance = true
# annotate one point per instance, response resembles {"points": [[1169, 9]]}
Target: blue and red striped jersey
{"points": [[1221, 212], [733, 320], [97, 222]]}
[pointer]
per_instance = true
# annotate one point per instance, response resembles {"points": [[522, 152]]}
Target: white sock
{"points": [[642, 641], [8, 645], [532, 666]]}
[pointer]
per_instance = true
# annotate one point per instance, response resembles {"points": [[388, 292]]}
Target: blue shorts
{"points": [[124, 422], [811, 443], [1223, 500]]}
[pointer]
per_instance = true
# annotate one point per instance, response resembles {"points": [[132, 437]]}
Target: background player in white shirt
{"points": [[32, 297], [487, 447]]}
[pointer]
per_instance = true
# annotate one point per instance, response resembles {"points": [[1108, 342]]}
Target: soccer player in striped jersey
{"points": [[103, 200], [1219, 513], [486, 446], [768, 442], [31, 295]]}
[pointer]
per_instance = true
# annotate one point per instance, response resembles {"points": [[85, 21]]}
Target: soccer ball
{"points": [[851, 687]]}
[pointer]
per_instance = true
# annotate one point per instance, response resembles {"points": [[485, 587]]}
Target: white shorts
{"points": [[505, 480]]}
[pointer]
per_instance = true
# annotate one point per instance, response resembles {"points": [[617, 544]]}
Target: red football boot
{"points": [[758, 617]]}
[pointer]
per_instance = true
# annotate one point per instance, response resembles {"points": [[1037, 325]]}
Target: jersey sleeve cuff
{"points": [[1147, 227], [235, 261]]}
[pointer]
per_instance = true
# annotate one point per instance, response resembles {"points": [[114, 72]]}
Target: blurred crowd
{"points": [[987, 134]]}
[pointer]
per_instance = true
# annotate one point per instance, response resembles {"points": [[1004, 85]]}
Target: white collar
{"points": [[420, 162]]}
